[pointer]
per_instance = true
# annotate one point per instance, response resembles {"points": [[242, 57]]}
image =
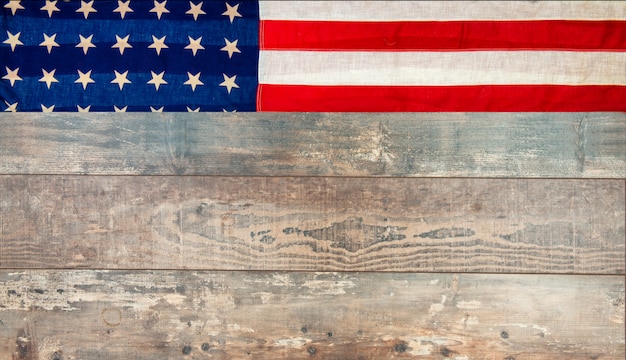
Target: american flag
{"points": [[138, 55]]}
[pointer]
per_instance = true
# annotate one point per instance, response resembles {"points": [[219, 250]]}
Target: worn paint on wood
{"points": [[576, 145], [320, 224], [367, 216], [239, 315]]}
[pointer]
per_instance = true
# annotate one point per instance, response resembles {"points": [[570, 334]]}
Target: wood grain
{"points": [[554, 145], [251, 315], [318, 224]]}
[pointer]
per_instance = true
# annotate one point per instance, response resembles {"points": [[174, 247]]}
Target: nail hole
{"points": [[401, 347], [445, 352]]}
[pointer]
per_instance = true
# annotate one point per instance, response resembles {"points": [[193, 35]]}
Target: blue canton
{"points": [[137, 55]]}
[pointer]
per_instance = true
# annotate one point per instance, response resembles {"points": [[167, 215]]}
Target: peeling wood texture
{"points": [[251, 315], [554, 145], [320, 224]]}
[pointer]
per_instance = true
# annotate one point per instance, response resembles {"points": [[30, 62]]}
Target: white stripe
{"points": [[441, 10], [442, 68]]}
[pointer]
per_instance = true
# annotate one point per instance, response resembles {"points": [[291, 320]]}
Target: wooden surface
{"points": [[554, 145], [253, 315], [476, 236], [320, 224]]}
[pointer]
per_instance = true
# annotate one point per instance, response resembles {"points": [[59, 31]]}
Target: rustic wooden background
{"points": [[312, 236]]}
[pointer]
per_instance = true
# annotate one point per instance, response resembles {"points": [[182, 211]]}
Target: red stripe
{"points": [[443, 35], [501, 98]]}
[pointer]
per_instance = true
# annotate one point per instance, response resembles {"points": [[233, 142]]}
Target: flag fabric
{"points": [[138, 55]]}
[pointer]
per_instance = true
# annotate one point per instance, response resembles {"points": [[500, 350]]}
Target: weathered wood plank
{"points": [[576, 145], [319, 224], [237, 315]]}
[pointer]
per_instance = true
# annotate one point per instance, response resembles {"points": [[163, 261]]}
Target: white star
{"points": [[86, 8], [231, 12], [14, 5], [49, 42], [194, 80], [120, 110], [157, 80], [47, 109], [224, 110], [122, 44], [12, 75], [194, 45], [120, 79], [50, 7], [11, 107], [156, 110], [231, 47], [83, 110], [85, 43], [229, 83], [195, 10], [13, 40], [48, 77], [193, 110], [123, 8], [84, 78], [158, 44], [159, 8]]}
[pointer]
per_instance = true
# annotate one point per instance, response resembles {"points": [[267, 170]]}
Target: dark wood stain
{"points": [[25, 346], [351, 234]]}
